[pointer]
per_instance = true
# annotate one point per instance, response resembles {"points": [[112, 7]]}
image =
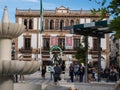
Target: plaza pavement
{"points": [[48, 84]]}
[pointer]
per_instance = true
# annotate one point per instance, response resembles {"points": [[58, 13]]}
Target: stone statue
{"points": [[57, 59]]}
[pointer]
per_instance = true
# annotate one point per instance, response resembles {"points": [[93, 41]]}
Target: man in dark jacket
{"points": [[81, 72], [57, 72], [71, 72]]}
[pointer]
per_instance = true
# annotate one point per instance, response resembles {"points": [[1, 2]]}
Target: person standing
{"points": [[22, 78], [63, 71], [71, 72], [43, 71], [57, 73], [107, 74], [76, 68], [52, 71], [63, 68], [81, 72]]}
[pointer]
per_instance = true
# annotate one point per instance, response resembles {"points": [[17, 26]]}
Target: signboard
{"points": [[53, 41], [69, 41]]}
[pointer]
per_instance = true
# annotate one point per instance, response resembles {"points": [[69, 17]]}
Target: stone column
{"points": [[5, 49], [6, 83]]}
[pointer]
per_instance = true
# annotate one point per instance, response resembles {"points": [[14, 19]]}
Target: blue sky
{"points": [[47, 4]]}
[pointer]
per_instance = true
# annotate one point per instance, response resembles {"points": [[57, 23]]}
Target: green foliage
{"points": [[81, 54], [114, 7], [115, 26], [102, 11]]}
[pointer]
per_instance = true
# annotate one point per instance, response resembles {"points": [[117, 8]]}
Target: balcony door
{"points": [[27, 43]]}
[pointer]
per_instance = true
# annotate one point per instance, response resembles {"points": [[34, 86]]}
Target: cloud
{"points": [[31, 0]]}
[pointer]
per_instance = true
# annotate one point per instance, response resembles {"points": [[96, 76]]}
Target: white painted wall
{"points": [[39, 23], [89, 57], [40, 42], [103, 61], [82, 20], [20, 20], [33, 56], [34, 41], [90, 42], [87, 20], [20, 41], [35, 24], [81, 40], [19, 56], [103, 43]]}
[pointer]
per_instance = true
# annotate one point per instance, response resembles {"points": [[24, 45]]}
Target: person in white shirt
{"points": [[52, 71], [76, 68]]}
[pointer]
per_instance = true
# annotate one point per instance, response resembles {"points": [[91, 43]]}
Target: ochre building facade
{"points": [[32, 45]]}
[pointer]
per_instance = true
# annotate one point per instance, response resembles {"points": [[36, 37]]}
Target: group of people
{"points": [[111, 74], [55, 71], [76, 72], [19, 78]]}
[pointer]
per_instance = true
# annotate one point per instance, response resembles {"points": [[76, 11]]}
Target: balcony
{"points": [[94, 52], [25, 50]]}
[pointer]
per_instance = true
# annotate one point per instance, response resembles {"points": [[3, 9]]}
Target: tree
{"points": [[81, 54], [103, 10], [113, 9], [115, 26]]}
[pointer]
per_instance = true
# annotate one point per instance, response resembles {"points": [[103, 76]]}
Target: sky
{"points": [[47, 5]]}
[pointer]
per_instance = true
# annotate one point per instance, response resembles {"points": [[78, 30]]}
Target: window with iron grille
{"points": [[25, 23], [95, 44], [27, 43], [51, 24], [76, 43], [30, 24], [46, 42], [61, 43]]}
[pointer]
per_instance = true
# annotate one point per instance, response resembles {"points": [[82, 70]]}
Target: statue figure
{"points": [[57, 59]]}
